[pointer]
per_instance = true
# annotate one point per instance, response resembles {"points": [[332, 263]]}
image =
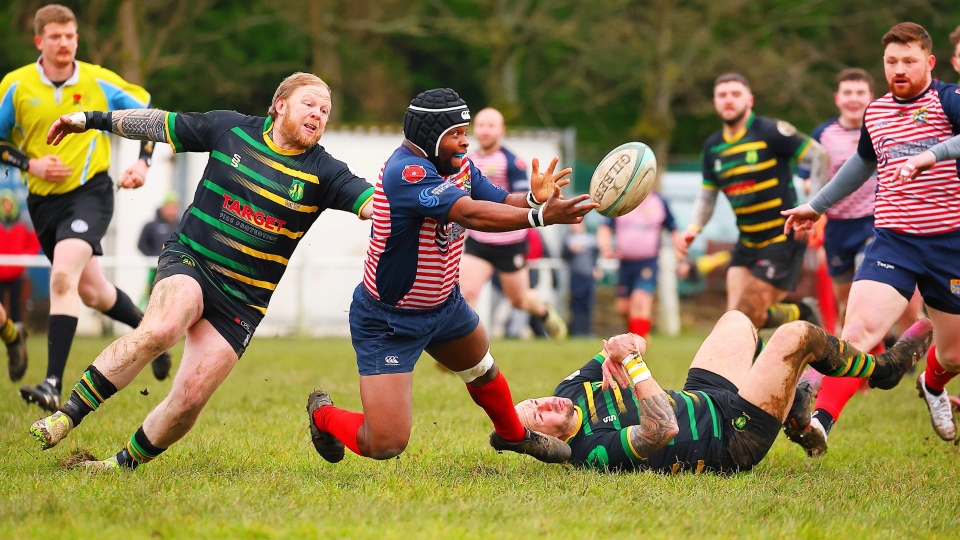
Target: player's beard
{"points": [[736, 119], [913, 90], [291, 131]]}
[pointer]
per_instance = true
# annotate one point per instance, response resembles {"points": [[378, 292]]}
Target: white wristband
{"points": [[532, 201], [533, 216], [636, 368]]}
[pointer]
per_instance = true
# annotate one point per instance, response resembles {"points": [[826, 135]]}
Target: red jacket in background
{"points": [[16, 240]]}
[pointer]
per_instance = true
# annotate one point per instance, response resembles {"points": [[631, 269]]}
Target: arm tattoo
{"points": [[140, 124], [658, 425]]}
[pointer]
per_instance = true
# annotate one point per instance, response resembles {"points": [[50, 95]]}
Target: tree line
{"points": [[616, 70]]}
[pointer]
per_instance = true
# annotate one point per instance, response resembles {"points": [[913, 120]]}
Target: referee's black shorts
{"points": [[83, 213]]}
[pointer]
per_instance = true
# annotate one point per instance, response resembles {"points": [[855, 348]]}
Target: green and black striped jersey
{"points": [[753, 170], [607, 417], [255, 200]]}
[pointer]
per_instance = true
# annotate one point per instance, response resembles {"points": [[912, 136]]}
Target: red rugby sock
{"points": [[494, 398], [640, 327], [835, 394], [935, 377], [344, 425]]}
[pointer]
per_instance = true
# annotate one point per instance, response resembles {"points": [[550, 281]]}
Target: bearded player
{"points": [[730, 410], [428, 194], [909, 138], [502, 252], [265, 184]]}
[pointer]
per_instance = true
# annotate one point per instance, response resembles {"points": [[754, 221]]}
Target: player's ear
{"points": [[36, 41], [931, 62]]}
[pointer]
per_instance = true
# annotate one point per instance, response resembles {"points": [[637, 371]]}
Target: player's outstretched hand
{"points": [[560, 210], [614, 373], [542, 184], [50, 168], [911, 168], [801, 219], [66, 124]]}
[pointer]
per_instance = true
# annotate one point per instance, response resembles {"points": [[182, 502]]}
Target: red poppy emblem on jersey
{"points": [[414, 173]]}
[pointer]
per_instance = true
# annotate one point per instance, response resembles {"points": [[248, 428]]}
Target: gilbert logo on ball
{"points": [[623, 179]]}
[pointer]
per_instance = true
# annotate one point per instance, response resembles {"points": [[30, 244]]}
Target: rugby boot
{"points": [[813, 438], [51, 430], [328, 446], [17, 354], [161, 366], [45, 395], [545, 448], [941, 412], [800, 427], [554, 324], [911, 346]]}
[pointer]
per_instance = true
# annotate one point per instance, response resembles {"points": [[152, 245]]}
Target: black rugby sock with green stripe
{"points": [[841, 359], [138, 451], [88, 394]]}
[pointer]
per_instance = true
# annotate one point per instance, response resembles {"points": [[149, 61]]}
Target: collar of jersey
{"points": [[579, 423], [273, 146], [914, 98], [71, 81], [738, 135]]}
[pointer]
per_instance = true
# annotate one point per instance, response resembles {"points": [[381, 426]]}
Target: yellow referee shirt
{"points": [[30, 103]]}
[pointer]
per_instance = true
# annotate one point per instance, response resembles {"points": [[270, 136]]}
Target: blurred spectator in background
{"points": [[636, 236], [15, 239], [158, 231], [580, 250]]}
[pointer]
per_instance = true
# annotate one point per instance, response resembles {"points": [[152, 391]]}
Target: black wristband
{"points": [[12, 156], [99, 120], [146, 152]]}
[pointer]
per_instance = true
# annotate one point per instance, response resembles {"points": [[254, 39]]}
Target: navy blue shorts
{"points": [[637, 274], [845, 240], [927, 262], [389, 339]]}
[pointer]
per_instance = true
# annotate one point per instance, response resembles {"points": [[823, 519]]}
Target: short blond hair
{"points": [[52, 13], [290, 84]]}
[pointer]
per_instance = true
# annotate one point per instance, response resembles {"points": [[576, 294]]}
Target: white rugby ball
{"points": [[623, 179]]}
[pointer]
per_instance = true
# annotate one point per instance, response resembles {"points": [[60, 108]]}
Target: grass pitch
{"points": [[248, 469]]}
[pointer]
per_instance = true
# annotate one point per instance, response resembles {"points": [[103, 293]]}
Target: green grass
{"points": [[248, 468]]}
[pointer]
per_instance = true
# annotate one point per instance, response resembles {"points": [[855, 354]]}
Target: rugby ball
{"points": [[623, 179]]}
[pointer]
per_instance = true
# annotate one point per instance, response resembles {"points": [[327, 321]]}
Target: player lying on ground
{"points": [[730, 409], [409, 302], [265, 184]]}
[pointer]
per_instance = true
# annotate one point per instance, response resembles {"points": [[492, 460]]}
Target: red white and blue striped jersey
{"points": [[413, 260], [893, 131], [506, 171], [840, 143]]}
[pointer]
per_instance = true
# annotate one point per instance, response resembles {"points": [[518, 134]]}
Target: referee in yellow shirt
{"points": [[71, 195]]}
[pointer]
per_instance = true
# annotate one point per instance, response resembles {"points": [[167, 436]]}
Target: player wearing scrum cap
{"points": [[410, 301]]}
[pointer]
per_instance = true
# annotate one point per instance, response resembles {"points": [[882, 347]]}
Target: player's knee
{"points": [[736, 318], [188, 401], [388, 449], [480, 374], [60, 283], [89, 294], [803, 336], [156, 337]]}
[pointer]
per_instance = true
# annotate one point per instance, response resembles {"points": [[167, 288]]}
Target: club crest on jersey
{"points": [[296, 190], [414, 173], [955, 287], [752, 157], [444, 235], [920, 116]]}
